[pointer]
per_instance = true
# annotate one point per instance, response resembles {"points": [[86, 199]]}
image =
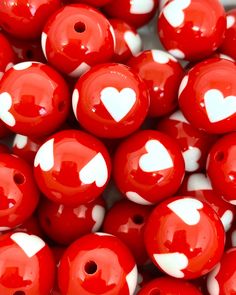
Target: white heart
{"points": [[187, 210], [177, 53], [22, 66], [136, 198], [230, 21], [212, 283], [98, 214], [162, 57], [95, 171], [198, 181], [227, 219], [80, 70], [9, 66], [45, 156], [43, 43], [157, 157], [141, 6], [75, 101], [5, 106], [172, 263], [224, 56], [183, 85], [218, 107], [178, 116], [30, 244], [133, 41], [191, 158], [233, 202], [132, 280], [174, 12], [20, 141], [118, 104]]}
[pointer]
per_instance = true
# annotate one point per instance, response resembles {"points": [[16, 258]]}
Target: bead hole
{"points": [[61, 106], [219, 156], [138, 219], [19, 293], [79, 27], [90, 267], [19, 179]]}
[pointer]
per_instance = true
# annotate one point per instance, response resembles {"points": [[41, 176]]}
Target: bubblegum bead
{"points": [[7, 55]]}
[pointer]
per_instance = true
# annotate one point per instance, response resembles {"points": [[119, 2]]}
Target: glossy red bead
{"points": [[96, 3], [129, 227], [192, 29], [76, 38], [221, 167], [19, 193], [148, 167], [110, 101], [34, 99], [162, 74], [97, 264], [72, 168], [7, 55], [207, 96], [64, 224], [184, 237], [27, 265]]}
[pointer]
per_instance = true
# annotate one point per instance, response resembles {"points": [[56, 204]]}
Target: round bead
{"points": [[7, 55], [72, 168], [110, 101], [184, 237]]}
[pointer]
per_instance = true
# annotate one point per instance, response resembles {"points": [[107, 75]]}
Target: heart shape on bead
{"points": [[191, 158], [162, 57], [178, 116], [98, 213], [198, 181], [5, 106], [218, 107], [20, 141], [136, 198], [174, 12], [45, 156], [132, 279], [118, 104], [227, 219], [212, 283], [95, 171], [133, 41], [157, 157], [30, 244], [141, 6]]}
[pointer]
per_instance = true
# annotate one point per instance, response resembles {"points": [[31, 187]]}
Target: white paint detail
{"points": [[45, 156]]}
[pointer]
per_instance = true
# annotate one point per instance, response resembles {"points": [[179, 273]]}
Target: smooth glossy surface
{"points": [[184, 237], [148, 167], [7, 55], [34, 99], [207, 96], [76, 38], [110, 101], [72, 168], [97, 264], [192, 29]]}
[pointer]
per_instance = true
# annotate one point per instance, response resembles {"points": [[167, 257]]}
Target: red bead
{"points": [[221, 167], [19, 194], [27, 265], [25, 19], [97, 264], [207, 96], [148, 167], [135, 12], [129, 227], [167, 285], [4, 131], [76, 38], [65, 224], [31, 226], [72, 168], [34, 99], [162, 74], [4, 148], [7, 55], [96, 3], [194, 143], [222, 280], [110, 101], [192, 29], [184, 237]]}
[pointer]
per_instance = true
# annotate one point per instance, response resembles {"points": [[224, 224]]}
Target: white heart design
{"points": [[5, 106], [172, 263], [9, 66], [136, 198], [218, 107], [198, 181], [187, 210], [227, 219], [132, 280], [98, 214], [233, 202], [95, 171], [191, 158], [45, 156], [30, 244], [118, 104], [212, 283], [183, 85], [133, 41], [230, 21], [162, 57], [75, 101], [20, 141], [224, 56], [141, 7], [157, 157], [174, 12], [80, 70], [43, 43], [177, 53], [178, 116], [22, 66]]}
